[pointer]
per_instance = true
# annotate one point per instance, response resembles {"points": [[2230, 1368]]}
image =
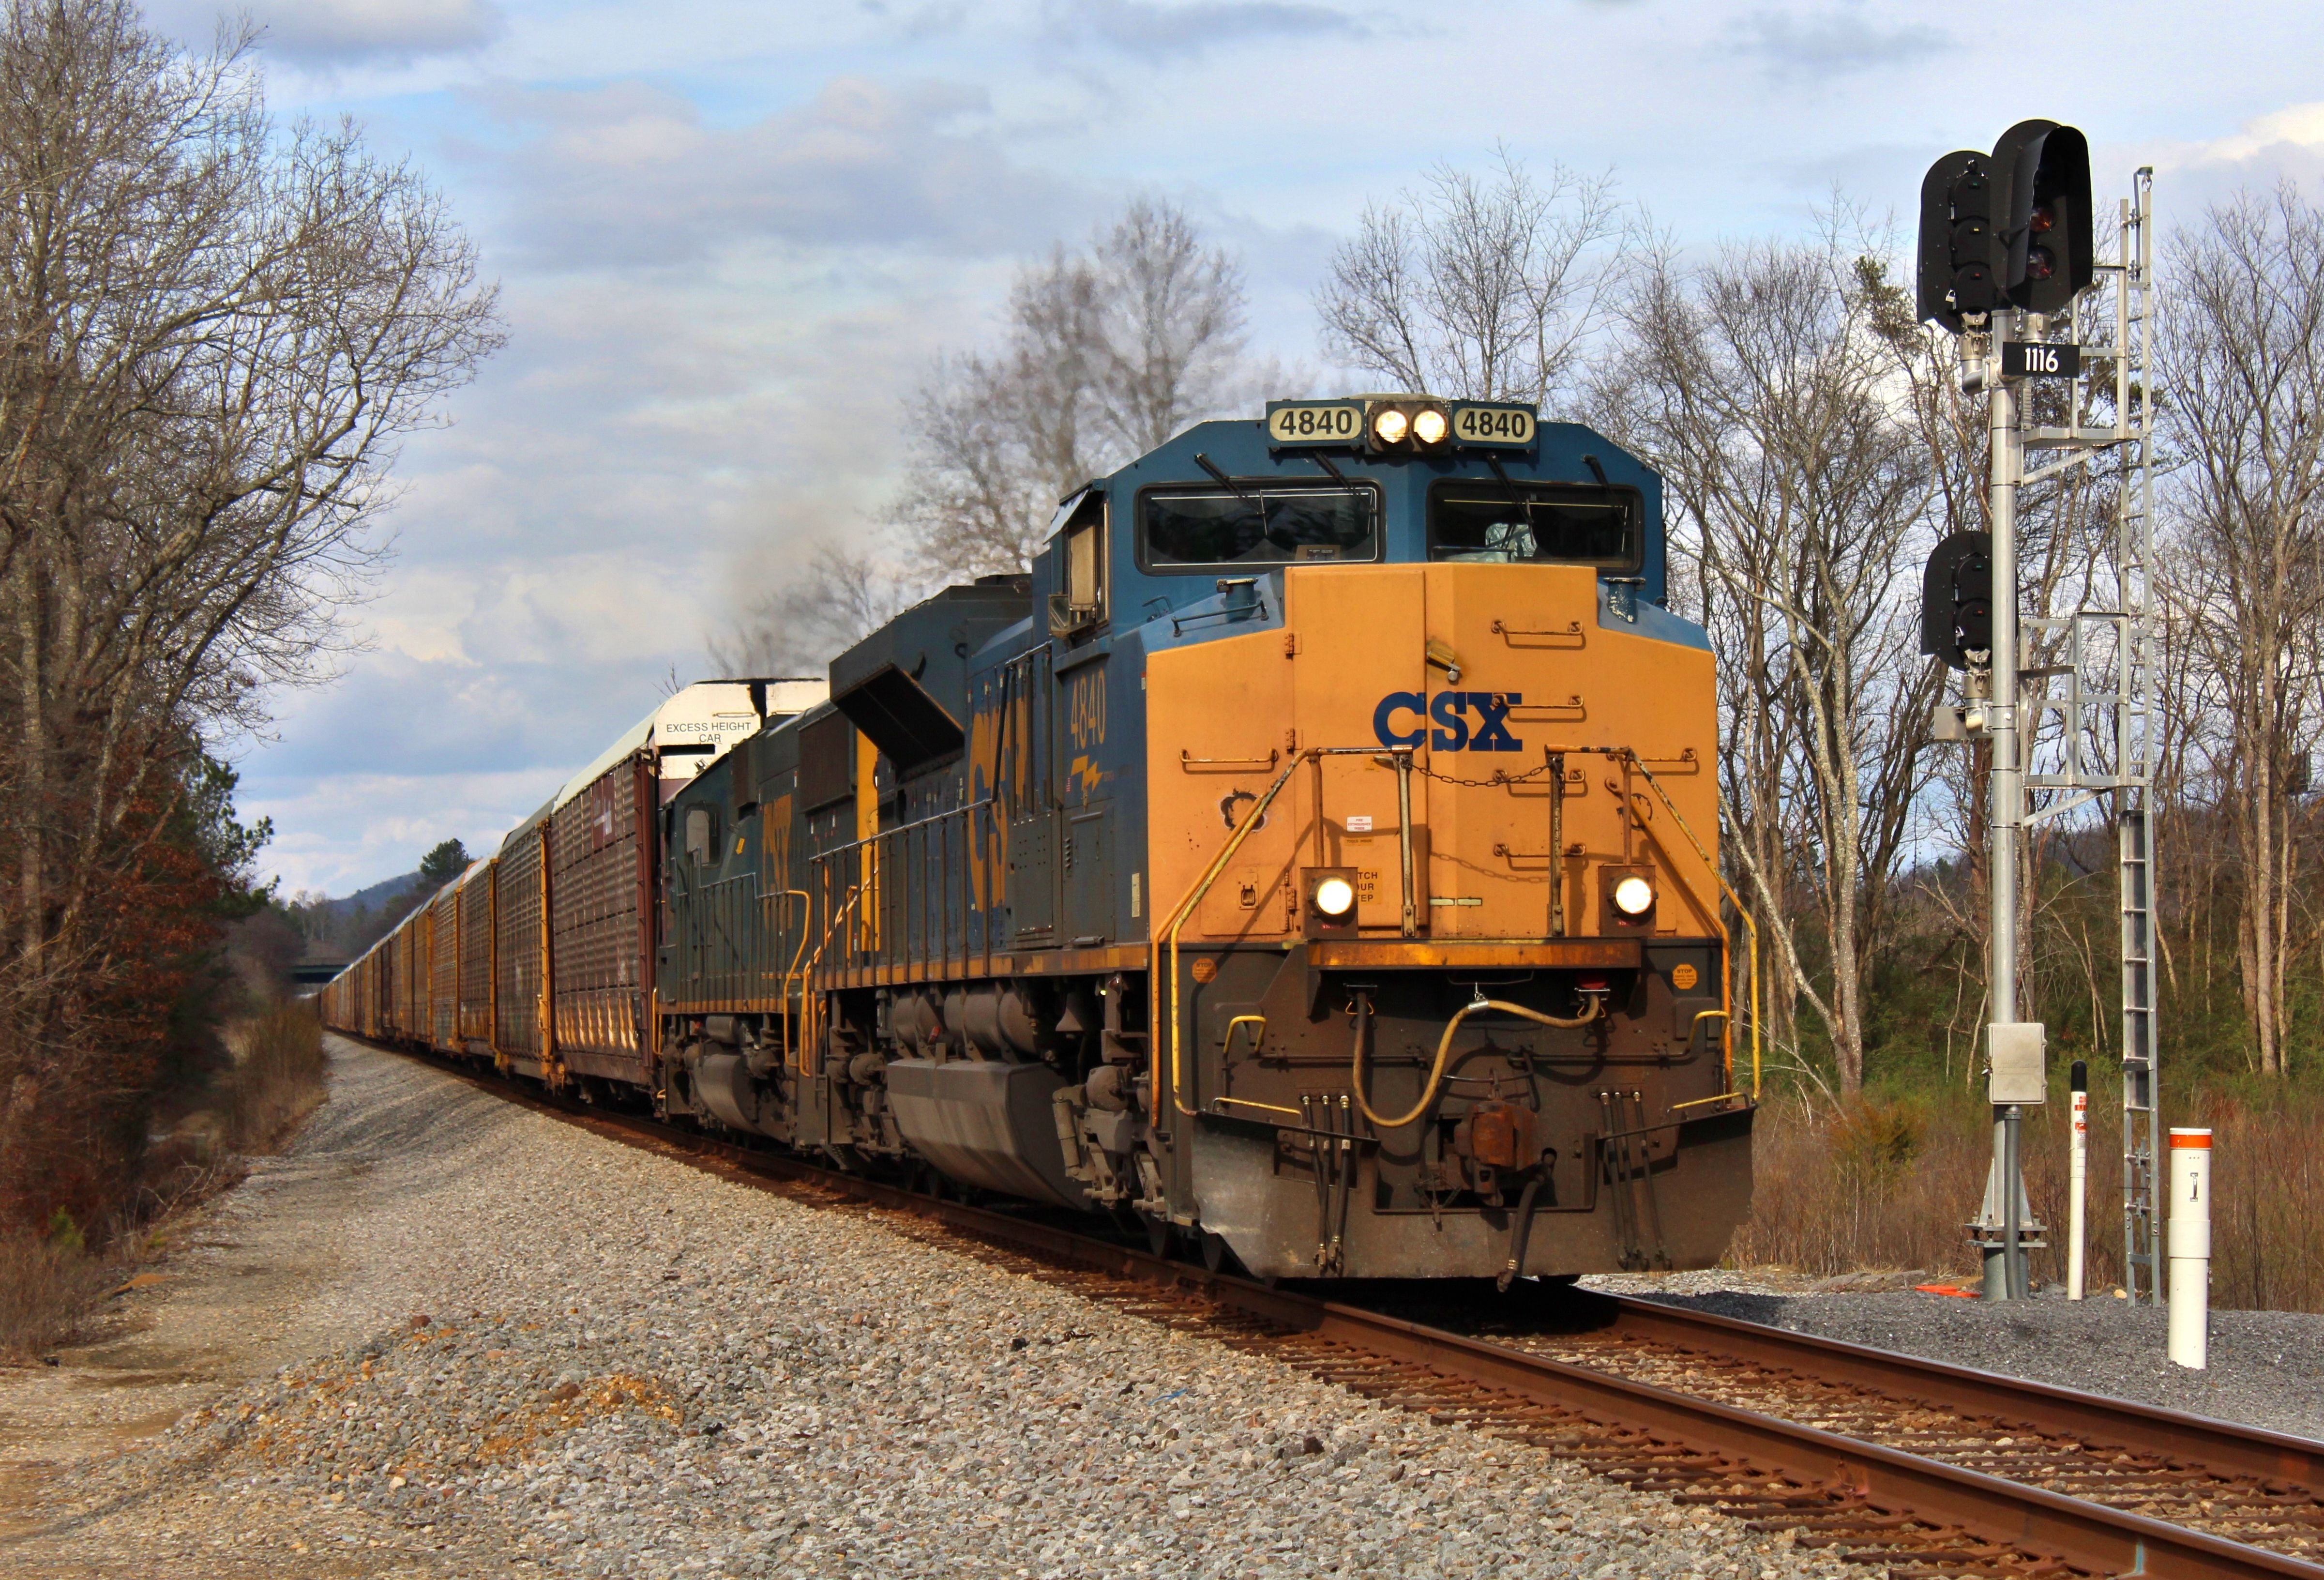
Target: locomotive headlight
{"points": [[1429, 426], [1390, 425], [1634, 897], [1335, 897]]}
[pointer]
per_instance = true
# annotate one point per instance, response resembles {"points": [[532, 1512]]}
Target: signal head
{"points": [[1957, 599], [1957, 254], [2044, 242]]}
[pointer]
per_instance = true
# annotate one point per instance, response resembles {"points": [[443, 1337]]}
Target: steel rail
{"points": [[2084, 1535], [2217, 1445]]}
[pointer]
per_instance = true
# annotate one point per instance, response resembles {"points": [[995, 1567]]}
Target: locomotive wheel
{"points": [[1218, 1256], [1160, 1232]]}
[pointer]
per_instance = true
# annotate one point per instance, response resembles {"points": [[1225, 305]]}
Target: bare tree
{"points": [[1108, 353], [214, 332], [844, 593], [2244, 357], [1477, 287], [1769, 387]]}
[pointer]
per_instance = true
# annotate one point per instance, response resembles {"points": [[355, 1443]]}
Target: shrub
{"points": [[46, 1282], [277, 1078]]}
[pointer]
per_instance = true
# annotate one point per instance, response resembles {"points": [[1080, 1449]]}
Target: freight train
{"points": [[1310, 863]]}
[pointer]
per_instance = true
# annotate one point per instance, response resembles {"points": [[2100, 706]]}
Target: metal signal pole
{"points": [[2006, 255], [2005, 1257]]}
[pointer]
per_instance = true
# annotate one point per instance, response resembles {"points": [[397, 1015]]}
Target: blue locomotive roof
{"points": [[1564, 453], [1174, 602]]}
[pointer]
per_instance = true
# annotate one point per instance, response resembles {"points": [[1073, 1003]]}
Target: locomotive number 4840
{"points": [[1492, 425], [1317, 423]]}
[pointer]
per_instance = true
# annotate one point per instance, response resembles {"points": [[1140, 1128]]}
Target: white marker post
{"points": [[2190, 1244], [2078, 1176]]}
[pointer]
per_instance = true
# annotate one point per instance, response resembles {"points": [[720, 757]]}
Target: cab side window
{"points": [[701, 837]]}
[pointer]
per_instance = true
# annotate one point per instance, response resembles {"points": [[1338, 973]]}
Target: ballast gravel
{"points": [[561, 1355], [2266, 1368]]}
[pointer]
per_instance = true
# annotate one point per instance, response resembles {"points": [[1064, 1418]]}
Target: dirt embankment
{"points": [[279, 1269]]}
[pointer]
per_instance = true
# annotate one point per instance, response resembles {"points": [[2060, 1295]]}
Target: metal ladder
{"points": [[2136, 724], [2107, 718]]}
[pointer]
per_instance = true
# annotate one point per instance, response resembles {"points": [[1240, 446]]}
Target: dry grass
{"points": [[277, 1078], [1893, 1185], [49, 1280], [1872, 1186], [46, 1283]]}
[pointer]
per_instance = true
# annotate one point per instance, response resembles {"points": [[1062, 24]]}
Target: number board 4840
{"points": [[1330, 422], [1477, 423]]}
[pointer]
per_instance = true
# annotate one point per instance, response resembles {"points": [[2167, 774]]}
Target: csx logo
{"points": [[1448, 712]]}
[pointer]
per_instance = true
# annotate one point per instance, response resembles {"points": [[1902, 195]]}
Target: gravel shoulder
{"points": [[445, 1336], [2266, 1367]]}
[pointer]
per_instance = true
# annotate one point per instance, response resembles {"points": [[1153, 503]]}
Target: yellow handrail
{"points": [[1185, 908], [830, 930], [791, 971], [1726, 986]]}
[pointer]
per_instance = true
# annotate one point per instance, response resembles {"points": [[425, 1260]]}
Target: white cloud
{"points": [[631, 174], [2280, 146], [2298, 126], [1150, 31], [1835, 43], [341, 32], [732, 235]]}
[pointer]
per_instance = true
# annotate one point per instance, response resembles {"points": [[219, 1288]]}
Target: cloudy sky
{"points": [[731, 235]]}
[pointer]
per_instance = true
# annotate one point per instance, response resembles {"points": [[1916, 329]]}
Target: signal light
{"points": [[1957, 599], [1429, 427], [1390, 425], [1957, 254], [2045, 171]]}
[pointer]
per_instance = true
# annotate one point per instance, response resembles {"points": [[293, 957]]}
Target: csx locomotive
{"points": [[1310, 862]]}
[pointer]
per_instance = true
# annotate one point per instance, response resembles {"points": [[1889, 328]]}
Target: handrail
{"points": [[1165, 1002], [1258, 1038], [1193, 896], [830, 930], [1726, 979], [927, 822], [1185, 908], [791, 972], [872, 875]]}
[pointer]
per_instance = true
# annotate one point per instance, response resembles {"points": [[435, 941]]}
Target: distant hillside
{"points": [[368, 898], [342, 929]]}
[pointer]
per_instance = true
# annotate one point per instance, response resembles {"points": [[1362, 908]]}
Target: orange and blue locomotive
{"points": [[1310, 861]]}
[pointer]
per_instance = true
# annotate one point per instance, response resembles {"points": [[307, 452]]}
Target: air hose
{"points": [[1520, 1229], [1444, 1048]]}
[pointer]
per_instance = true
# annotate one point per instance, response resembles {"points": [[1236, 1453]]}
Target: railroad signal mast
{"points": [[2007, 250]]}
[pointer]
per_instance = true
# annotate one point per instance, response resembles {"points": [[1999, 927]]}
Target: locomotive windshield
{"points": [[1258, 526], [1556, 523]]}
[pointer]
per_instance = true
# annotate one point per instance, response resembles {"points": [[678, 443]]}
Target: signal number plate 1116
{"points": [[1337, 422]]}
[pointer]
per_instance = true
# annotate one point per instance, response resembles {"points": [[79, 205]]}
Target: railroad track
{"points": [[1928, 1469]]}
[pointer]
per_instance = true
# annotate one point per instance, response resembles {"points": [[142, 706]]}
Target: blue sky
{"points": [[730, 239]]}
